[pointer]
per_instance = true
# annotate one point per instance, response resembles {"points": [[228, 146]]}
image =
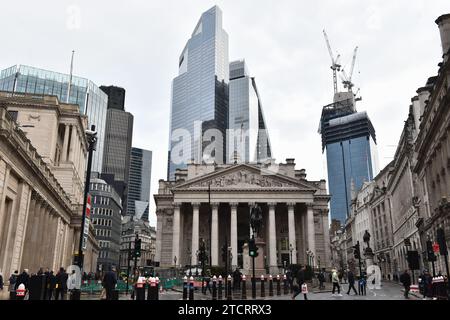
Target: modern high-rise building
{"points": [[200, 96], [349, 139], [247, 138], [139, 183], [91, 100], [118, 139]]}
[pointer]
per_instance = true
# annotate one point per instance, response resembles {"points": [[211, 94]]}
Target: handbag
{"points": [[304, 288]]}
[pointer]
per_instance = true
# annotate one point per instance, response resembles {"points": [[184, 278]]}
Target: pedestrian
{"points": [[236, 279], [290, 279], [207, 282], [351, 282], [72, 283], [109, 283], [51, 285], [61, 284], [321, 278], [405, 279], [362, 284], [299, 287], [12, 285], [335, 280], [23, 278], [1, 281]]}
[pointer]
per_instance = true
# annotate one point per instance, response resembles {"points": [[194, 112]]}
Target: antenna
{"points": [[70, 77]]}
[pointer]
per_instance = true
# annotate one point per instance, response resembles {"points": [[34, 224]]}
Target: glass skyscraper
{"points": [[200, 95], [247, 139], [350, 142], [91, 100]]}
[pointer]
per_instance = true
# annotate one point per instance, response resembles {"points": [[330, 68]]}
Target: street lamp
{"points": [[290, 253]]}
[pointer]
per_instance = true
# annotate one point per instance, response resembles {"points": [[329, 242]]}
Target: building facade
{"points": [[247, 135], [107, 221], [350, 143], [139, 183], [91, 100], [200, 96], [116, 97], [433, 151], [294, 215], [39, 174]]}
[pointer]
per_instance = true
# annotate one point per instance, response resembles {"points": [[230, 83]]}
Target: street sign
{"points": [[86, 222], [435, 247]]}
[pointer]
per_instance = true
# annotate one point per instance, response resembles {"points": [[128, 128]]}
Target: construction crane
{"points": [[335, 62], [347, 80]]}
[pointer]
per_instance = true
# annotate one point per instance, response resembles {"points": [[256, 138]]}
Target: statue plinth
{"points": [[259, 260], [368, 255]]}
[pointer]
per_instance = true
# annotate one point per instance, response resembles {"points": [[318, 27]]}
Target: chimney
{"points": [[443, 23]]}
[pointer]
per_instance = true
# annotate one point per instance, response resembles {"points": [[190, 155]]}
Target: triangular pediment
{"points": [[245, 176]]}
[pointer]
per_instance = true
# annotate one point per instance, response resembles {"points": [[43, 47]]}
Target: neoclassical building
{"points": [[213, 202]]}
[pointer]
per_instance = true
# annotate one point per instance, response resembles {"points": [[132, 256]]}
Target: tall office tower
{"points": [[91, 100], [247, 138], [200, 96], [118, 139], [350, 142], [139, 183]]}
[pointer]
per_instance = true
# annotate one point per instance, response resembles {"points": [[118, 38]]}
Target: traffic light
{"points": [[430, 253], [440, 237], [252, 248], [137, 248], [356, 251], [224, 253]]}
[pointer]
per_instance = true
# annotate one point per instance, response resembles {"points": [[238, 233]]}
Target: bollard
{"points": [[220, 288], [185, 288], [157, 288], [214, 288], [244, 287], [270, 286], [263, 290], [285, 282], [151, 288], [278, 285], [229, 292], [253, 288], [140, 288], [191, 288]]}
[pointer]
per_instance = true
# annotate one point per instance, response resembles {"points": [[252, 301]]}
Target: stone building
{"points": [[212, 202], [433, 149], [43, 152]]}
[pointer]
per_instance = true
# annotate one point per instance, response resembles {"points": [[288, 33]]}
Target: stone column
{"points": [[272, 239], [195, 232], [233, 235], [65, 143], [176, 233], [215, 234], [72, 143], [291, 230], [159, 222], [326, 228], [311, 232]]}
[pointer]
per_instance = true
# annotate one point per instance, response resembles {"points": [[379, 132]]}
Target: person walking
{"points": [[298, 288], [405, 279], [1, 281], [207, 281], [236, 279], [12, 285], [23, 278], [51, 285], [109, 283], [335, 280], [321, 278], [61, 284], [351, 282], [362, 284]]}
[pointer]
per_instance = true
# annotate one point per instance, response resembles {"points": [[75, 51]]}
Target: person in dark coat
{"points": [[12, 285], [300, 282], [109, 283], [24, 278], [51, 285], [236, 279], [321, 278], [351, 282], [61, 284], [1, 281], [405, 279]]}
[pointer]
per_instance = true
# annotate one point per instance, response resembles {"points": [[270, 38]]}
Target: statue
{"points": [[366, 238], [256, 219]]}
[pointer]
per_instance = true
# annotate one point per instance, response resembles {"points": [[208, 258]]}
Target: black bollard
{"points": [[278, 285], [244, 288], [214, 288], [285, 285], [263, 290], [270, 286], [191, 288], [140, 289], [229, 292], [220, 288], [185, 288]]}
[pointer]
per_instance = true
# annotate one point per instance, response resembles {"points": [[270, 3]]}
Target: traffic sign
{"points": [[435, 247]]}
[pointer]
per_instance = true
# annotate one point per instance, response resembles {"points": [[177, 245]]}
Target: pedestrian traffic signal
{"points": [[413, 260], [430, 253], [252, 248], [356, 251], [137, 248]]}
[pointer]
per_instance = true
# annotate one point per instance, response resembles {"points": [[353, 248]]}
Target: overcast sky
{"points": [[135, 44]]}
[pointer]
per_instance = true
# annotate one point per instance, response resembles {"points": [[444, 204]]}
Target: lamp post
{"points": [[290, 254]]}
